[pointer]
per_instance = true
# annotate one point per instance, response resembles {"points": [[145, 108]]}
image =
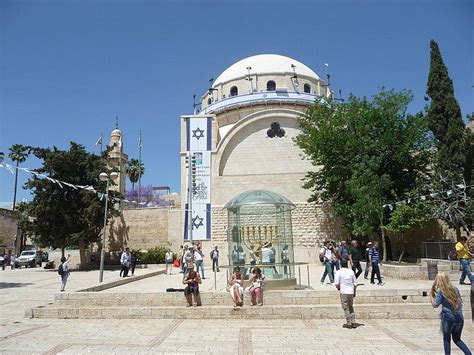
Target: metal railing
{"points": [[437, 250]]}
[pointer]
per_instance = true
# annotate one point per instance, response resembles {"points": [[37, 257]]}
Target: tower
{"points": [[118, 159]]}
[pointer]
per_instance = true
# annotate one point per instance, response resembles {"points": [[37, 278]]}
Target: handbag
{"points": [[176, 263]]}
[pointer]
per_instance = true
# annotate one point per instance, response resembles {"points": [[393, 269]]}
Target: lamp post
{"points": [[105, 177]]}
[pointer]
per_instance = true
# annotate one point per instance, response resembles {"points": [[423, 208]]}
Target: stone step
{"points": [[334, 311], [300, 297]]}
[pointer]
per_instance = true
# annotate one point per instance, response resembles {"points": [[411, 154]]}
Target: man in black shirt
{"points": [[355, 256]]}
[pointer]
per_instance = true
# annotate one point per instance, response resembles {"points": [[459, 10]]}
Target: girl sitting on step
{"points": [[236, 289], [257, 281]]}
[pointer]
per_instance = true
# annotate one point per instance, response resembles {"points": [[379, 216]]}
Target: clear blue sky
{"points": [[68, 67]]}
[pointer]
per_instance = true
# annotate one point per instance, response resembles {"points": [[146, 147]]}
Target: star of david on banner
{"points": [[198, 133], [197, 222]]}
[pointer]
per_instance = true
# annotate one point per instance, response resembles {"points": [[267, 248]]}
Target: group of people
{"points": [[128, 262], [257, 283], [8, 260], [332, 255]]}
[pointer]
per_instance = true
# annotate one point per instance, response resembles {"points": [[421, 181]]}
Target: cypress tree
{"points": [[445, 120], [446, 123]]}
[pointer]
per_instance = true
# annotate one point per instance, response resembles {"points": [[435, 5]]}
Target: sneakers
{"points": [[464, 283], [348, 326], [381, 283]]}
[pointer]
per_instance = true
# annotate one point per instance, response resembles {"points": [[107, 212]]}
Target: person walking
{"points": [[328, 258], [187, 259], [133, 262], [344, 251], [444, 294], [367, 261], [464, 257], [63, 271], [125, 262], [374, 263], [215, 259], [199, 260], [12, 261], [345, 282], [180, 258], [355, 256], [169, 262]]}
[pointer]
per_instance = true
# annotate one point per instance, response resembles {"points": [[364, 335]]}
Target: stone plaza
{"points": [[190, 331]]}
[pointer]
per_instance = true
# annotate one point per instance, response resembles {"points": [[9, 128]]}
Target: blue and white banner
{"points": [[199, 146]]}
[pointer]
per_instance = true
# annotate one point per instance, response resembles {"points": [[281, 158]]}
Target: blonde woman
{"points": [[452, 321]]}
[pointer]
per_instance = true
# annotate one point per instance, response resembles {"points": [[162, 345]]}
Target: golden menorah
{"points": [[254, 237]]}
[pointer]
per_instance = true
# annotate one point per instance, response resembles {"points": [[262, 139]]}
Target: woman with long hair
{"points": [[236, 288], [257, 282], [452, 321]]}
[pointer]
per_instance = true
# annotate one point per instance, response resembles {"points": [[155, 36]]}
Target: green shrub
{"points": [[155, 255]]}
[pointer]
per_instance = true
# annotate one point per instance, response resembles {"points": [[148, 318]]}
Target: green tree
{"points": [[365, 153], [64, 216], [451, 138], [18, 154], [134, 171]]}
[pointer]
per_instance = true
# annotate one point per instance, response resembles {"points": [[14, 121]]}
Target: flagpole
{"points": [[139, 167], [101, 139]]}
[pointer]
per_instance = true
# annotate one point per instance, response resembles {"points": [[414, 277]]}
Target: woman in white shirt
{"points": [[236, 289], [169, 262]]}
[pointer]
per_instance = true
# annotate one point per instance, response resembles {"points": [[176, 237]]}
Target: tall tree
{"points": [[366, 154], [446, 123], [18, 154], [134, 171], [64, 216]]}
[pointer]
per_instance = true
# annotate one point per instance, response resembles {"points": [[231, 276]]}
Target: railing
{"points": [[437, 250]]}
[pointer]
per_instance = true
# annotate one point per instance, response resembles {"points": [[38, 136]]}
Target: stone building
{"points": [[118, 159], [8, 230], [255, 105]]}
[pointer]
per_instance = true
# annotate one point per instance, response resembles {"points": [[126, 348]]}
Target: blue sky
{"points": [[67, 68]]}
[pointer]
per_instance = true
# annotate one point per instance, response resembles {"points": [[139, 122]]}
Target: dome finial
{"points": [[116, 122]]}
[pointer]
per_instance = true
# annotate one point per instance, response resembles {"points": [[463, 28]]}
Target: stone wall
{"points": [[8, 229]]}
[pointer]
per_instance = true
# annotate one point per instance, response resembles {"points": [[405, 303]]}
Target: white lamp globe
{"points": [[103, 177], [114, 176]]}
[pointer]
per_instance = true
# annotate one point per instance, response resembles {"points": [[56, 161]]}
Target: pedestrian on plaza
{"points": [[343, 251], [337, 254], [345, 282], [285, 258], [199, 260], [215, 259], [355, 256], [192, 281], [12, 261], [236, 287], [367, 261], [257, 281], [180, 258], [4, 261], [63, 271], [375, 264], [464, 257], [242, 256], [328, 258], [188, 259], [235, 256], [452, 321], [169, 262], [125, 262], [133, 262]]}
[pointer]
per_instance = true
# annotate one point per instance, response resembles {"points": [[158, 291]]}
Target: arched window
{"points": [[234, 91], [209, 101], [307, 88], [271, 86]]}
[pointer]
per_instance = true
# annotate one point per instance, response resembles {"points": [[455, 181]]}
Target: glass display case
{"points": [[260, 235]]}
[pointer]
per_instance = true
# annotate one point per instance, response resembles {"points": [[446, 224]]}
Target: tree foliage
{"points": [[18, 154], [451, 137], [134, 171], [365, 153], [64, 216]]}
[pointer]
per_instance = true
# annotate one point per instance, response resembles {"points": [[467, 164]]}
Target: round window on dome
{"points": [[271, 86], [234, 91], [307, 88]]}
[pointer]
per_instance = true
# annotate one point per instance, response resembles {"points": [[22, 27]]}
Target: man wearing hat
{"points": [[367, 262]]}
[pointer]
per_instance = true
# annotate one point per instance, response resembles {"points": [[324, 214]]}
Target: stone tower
{"points": [[118, 159]]}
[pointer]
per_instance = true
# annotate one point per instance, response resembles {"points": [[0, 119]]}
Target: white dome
{"points": [[264, 64]]}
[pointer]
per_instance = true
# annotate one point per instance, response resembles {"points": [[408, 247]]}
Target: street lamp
{"points": [[105, 177]]}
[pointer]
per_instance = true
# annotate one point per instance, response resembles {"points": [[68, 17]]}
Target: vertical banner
{"points": [[198, 145]]}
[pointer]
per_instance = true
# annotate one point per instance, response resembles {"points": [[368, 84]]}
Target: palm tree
{"points": [[134, 171], [18, 154], [1, 156]]}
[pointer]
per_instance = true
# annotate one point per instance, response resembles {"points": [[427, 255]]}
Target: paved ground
{"points": [[21, 289]]}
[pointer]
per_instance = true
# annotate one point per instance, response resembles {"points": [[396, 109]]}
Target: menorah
{"points": [[254, 237]]}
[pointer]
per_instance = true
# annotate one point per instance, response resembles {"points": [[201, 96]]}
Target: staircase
{"points": [[378, 303]]}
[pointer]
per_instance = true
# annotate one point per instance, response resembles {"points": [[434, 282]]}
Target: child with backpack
{"points": [[63, 271]]}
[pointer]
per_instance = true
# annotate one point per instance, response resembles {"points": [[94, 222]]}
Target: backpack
{"points": [[60, 270], [321, 257], [453, 255]]}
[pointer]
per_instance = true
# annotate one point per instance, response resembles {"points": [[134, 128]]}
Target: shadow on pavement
{"points": [[13, 284]]}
